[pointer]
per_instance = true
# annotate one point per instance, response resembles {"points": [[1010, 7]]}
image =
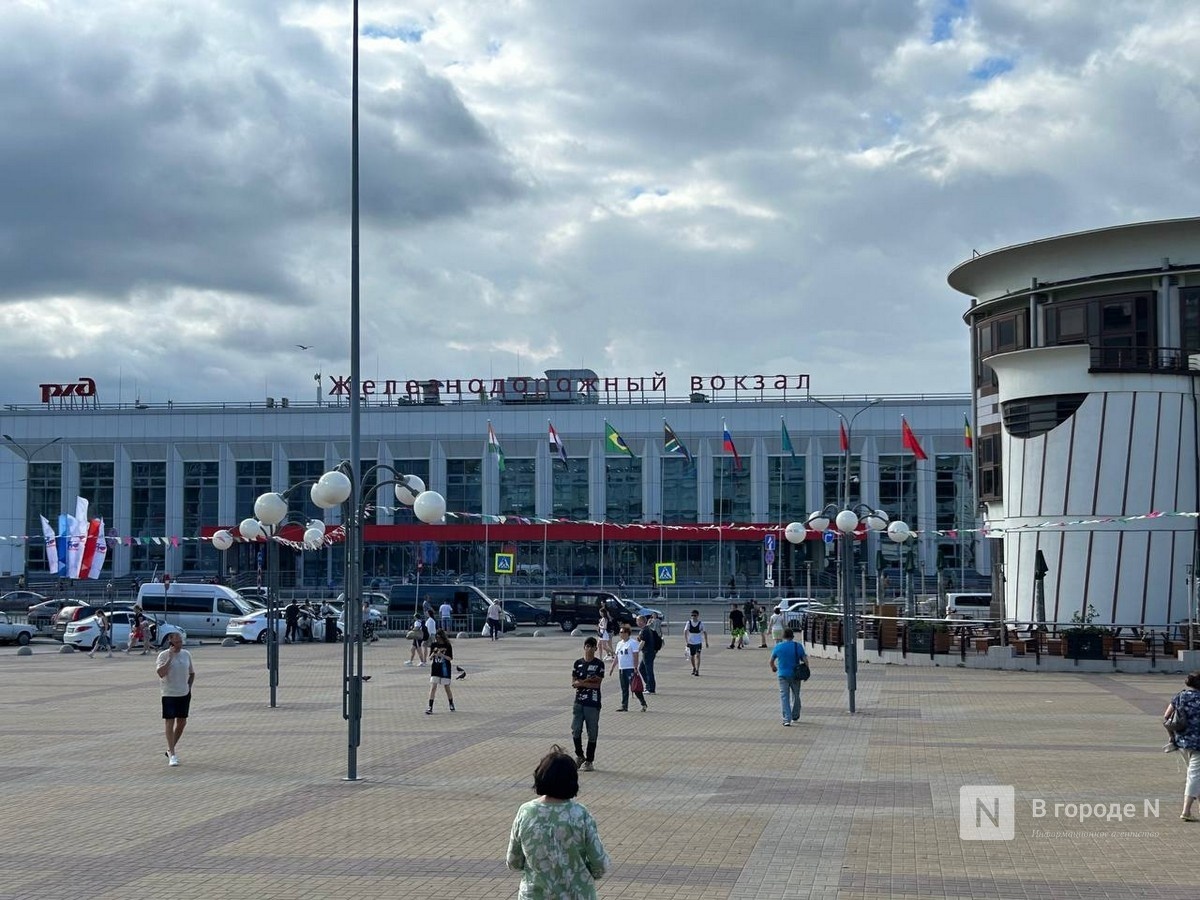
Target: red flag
{"points": [[843, 438], [909, 440]]}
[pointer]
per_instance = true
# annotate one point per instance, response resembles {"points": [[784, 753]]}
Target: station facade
{"points": [[164, 477]]}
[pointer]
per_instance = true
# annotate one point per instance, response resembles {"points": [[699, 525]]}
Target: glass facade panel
{"points": [[834, 479], [96, 486], [955, 497], [624, 489], [570, 494], [200, 500], [786, 493], [43, 498], [253, 478], [464, 485], [679, 501], [517, 488], [148, 514], [731, 491], [898, 495]]}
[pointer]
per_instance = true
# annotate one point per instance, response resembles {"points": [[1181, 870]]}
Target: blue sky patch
{"points": [[992, 67], [409, 34], [944, 21]]}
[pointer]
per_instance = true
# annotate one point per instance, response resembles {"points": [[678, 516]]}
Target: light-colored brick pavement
{"points": [[706, 796]]}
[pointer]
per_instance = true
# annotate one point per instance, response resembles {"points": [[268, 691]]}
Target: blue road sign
{"points": [[830, 537]]}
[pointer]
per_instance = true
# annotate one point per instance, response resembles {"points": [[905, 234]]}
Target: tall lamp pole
{"points": [[340, 487]]}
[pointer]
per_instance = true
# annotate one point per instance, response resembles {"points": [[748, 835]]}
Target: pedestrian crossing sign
{"points": [[664, 573], [504, 563]]}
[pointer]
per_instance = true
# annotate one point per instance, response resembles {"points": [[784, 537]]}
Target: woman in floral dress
{"points": [[555, 843]]}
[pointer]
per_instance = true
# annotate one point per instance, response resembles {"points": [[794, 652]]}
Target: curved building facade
{"points": [[1084, 364]]}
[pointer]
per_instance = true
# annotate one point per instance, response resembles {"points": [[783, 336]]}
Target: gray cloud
{"points": [[688, 187]]}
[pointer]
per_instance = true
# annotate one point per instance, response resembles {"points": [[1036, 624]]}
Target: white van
{"points": [[970, 606], [202, 610]]}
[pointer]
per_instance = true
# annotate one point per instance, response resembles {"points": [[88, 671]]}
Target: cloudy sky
{"points": [[680, 186]]}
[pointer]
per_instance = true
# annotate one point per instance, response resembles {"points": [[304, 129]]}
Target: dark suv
{"points": [[582, 607]]}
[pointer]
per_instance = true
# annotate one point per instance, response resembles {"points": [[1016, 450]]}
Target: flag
{"points": [[64, 531], [968, 440], [843, 438], [101, 552], [77, 537], [89, 548], [493, 446], [615, 441], [787, 440], [556, 446], [673, 445], [729, 448], [909, 440], [51, 545]]}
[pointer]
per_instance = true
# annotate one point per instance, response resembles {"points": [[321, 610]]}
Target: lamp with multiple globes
{"points": [[332, 490], [846, 521]]}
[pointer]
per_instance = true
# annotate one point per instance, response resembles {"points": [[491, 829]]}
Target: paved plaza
{"points": [[704, 797]]}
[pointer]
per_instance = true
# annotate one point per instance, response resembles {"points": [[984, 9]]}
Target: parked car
{"points": [[41, 615], [525, 612], [582, 607], [252, 626], [22, 633], [15, 601], [255, 596], [83, 634], [794, 609], [77, 612], [636, 609], [377, 599]]}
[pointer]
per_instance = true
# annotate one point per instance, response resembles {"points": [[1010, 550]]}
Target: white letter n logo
{"points": [[986, 812]]}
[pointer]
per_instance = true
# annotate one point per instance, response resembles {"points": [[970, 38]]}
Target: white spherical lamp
{"points": [[818, 521], [898, 531], [270, 508], [314, 534], [795, 533], [878, 520], [222, 540], [430, 507], [408, 488], [846, 521], [251, 530], [331, 490]]}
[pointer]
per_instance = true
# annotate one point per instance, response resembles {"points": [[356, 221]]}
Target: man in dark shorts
{"points": [[175, 674], [586, 676], [737, 627]]}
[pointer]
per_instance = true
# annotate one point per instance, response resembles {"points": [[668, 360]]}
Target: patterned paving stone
{"points": [[704, 796]]}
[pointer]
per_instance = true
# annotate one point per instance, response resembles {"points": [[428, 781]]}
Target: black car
{"points": [[582, 607], [525, 612]]}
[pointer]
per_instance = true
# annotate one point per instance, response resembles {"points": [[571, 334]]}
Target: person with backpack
{"points": [[651, 642], [695, 637], [1187, 739], [789, 662]]}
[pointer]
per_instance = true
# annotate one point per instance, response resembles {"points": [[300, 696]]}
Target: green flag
{"points": [[616, 442], [787, 440]]}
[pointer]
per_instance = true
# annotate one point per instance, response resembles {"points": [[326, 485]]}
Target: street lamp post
{"points": [[846, 518], [340, 487], [271, 514]]}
